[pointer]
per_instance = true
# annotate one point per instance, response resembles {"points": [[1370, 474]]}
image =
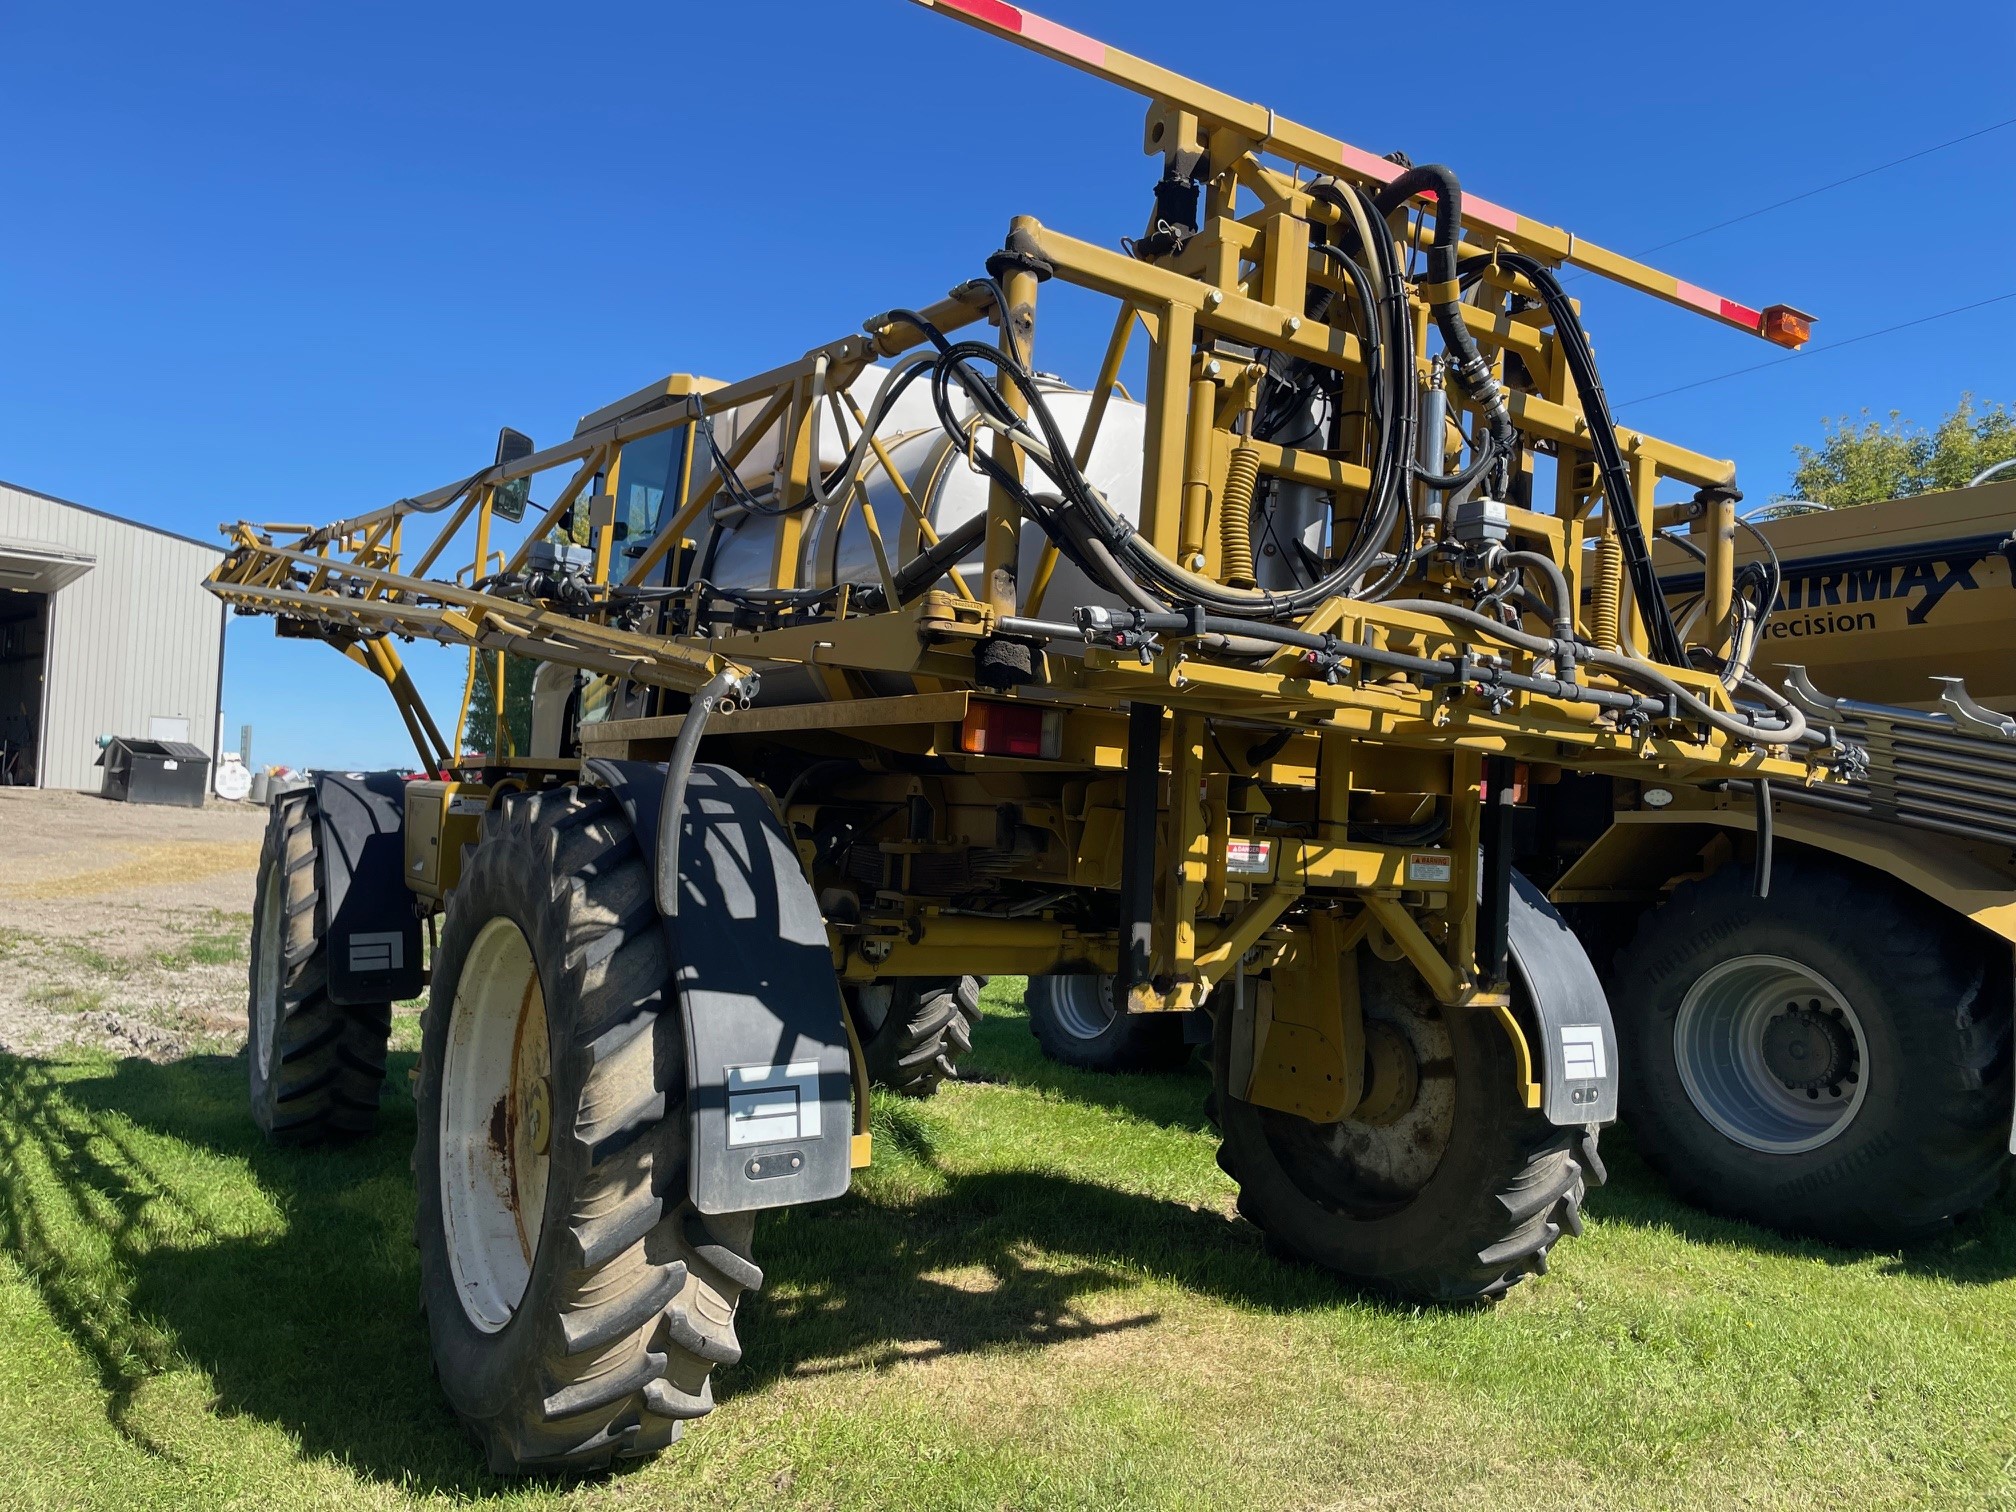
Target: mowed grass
{"points": [[1037, 1298]]}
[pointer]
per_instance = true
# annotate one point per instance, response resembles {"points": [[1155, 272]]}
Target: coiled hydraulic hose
{"points": [[1235, 518], [1607, 596]]}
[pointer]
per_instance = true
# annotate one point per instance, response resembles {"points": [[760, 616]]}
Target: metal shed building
{"points": [[105, 629]]}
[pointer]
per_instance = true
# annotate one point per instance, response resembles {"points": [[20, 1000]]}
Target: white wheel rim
{"points": [[496, 1125], [270, 946], [1082, 1005], [1719, 1047]]}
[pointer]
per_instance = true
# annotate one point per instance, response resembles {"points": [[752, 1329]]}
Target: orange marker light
{"points": [[1787, 327]]}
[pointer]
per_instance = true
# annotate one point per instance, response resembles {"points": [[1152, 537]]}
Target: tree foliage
{"points": [[1863, 463], [479, 733]]}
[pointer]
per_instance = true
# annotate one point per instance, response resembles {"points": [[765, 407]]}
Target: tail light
{"points": [[1012, 729]]}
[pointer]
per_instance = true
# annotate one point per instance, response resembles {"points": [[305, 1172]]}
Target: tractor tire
{"points": [[1832, 1061], [913, 1031], [1454, 1202], [577, 1302], [1075, 1022], [317, 1068]]}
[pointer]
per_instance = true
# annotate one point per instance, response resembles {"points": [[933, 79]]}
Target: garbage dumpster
{"points": [[155, 771]]}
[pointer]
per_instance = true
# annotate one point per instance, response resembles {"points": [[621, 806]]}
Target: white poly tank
{"points": [[835, 547]]}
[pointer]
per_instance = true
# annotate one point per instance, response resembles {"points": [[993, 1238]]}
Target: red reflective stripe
{"points": [[993, 12], [1697, 296], [1715, 304], [1043, 33], [1062, 39], [1360, 161], [1496, 216], [1480, 210]]}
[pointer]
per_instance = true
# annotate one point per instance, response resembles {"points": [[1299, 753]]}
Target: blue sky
{"points": [[290, 262]]}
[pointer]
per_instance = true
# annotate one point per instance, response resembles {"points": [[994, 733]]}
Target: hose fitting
{"points": [[1443, 290]]}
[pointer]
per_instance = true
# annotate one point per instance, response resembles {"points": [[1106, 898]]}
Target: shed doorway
{"points": [[24, 656]]}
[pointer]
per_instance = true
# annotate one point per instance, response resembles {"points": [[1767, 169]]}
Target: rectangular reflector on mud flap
{"points": [[1582, 1052], [767, 1103], [383, 951]]}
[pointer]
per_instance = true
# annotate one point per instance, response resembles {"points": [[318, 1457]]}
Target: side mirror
{"points": [[513, 446]]}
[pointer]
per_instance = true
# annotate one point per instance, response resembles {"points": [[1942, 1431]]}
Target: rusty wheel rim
{"points": [[496, 1125]]}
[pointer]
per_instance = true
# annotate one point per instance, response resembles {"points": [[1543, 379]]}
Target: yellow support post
{"points": [[1004, 511]]}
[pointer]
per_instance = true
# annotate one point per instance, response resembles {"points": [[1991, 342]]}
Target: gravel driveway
{"points": [[123, 927]]}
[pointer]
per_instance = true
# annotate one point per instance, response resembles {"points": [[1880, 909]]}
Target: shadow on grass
{"points": [[124, 1194], [1978, 1251], [1006, 1053]]}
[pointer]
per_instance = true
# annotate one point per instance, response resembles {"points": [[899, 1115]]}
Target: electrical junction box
{"points": [[1475, 522], [441, 818]]}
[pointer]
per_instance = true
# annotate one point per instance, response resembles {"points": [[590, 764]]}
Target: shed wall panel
{"points": [[134, 637]]}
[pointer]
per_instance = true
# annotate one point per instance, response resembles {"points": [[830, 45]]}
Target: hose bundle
{"points": [[1109, 550]]}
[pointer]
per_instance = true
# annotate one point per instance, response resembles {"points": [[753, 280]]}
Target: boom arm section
{"points": [[1205, 112]]}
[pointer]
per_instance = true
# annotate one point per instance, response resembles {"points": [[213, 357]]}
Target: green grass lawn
{"points": [[1037, 1298]]}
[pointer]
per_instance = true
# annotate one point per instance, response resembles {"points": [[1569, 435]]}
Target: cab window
{"points": [[648, 477]]}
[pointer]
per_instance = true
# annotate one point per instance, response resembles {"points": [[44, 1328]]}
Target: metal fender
{"points": [[1577, 1048], [767, 1069], [373, 933]]}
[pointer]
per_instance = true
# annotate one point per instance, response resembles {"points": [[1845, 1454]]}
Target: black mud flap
{"points": [[1577, 1051], [767, 1072], [373, 933]]}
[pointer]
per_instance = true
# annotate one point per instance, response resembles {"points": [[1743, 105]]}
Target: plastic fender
{"points": [[1577, 1048], [768, 1080], [373, 932]]}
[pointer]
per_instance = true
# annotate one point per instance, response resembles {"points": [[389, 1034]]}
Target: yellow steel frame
{"points": [[1240, 285]]}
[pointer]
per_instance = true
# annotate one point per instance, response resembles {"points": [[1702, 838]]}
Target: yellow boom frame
{"points": [[1330, 751]]}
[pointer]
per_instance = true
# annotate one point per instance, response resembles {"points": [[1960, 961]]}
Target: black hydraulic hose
{"points": [[1620, 498], [1631, 670], [1760, 880], [1767, 597], [1560, 602], [672, 800], [1429, 670], [1456, 482], [1444, 295], [1560, 606], [932, 563]]}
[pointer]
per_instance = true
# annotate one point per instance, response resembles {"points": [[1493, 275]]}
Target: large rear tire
{"points": [[1454, 1199], [1075, 1021], [913, 1032], [577, 1302], [316, 1067], [1832, 1061]]}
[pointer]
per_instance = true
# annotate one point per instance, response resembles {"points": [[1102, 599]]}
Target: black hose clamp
{"points": [[1021, 255], [1331, 659]]}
